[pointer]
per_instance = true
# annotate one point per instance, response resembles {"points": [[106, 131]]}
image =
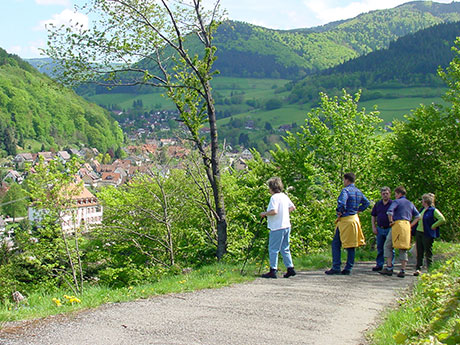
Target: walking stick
{"points": [[256, 235], [264, 254]]}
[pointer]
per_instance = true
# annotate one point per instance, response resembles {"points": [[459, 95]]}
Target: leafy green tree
{"points": [[337, 137], [53, 190], [14, 203], [152, 224], [422, 153], [10, 141], [156, 31]]}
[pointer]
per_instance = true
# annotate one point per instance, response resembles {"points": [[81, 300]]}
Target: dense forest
{"points": [[34, 110], [412, 60]]}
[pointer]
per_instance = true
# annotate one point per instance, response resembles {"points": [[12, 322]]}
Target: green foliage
{"points": [[33, 107], [47, 254], [411, 60], [151, 225], [426, 146], [14, 202], [431, 314]]}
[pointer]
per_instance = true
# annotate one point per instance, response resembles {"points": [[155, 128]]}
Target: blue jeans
{"points": [[381, 237], [278, 241], [336, 253]]}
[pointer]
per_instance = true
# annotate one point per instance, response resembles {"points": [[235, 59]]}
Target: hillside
{"points": [[249, 51], [412, 60], [34, 110], [261, 52]]}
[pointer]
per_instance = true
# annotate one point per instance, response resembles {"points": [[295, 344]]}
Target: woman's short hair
{"points": [[428, 198], [275, 184]]}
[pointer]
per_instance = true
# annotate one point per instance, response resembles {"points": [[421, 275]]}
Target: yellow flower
{"points": [[74, 300], [57, 301], [130, 287]]}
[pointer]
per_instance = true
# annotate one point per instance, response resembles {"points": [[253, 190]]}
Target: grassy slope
{"points": [[264, 89]]}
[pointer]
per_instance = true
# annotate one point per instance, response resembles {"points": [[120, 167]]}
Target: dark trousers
{"points": [[424, 246], [337, 253]]}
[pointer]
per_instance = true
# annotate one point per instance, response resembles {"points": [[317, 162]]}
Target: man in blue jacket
{"points": [[400, 213], [348, 233]]}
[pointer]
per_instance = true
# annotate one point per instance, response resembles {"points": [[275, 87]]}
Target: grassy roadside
{"points": [[42, 304], [431, 313]]}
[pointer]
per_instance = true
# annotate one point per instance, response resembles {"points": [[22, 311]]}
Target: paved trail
{"points": [[310, 308]]}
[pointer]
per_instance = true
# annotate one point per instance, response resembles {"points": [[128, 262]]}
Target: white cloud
{"points": [[53, 2], [329, 10], [67, 18], [15, 50]]}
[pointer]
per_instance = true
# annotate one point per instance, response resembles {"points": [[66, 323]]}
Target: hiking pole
{"points": [[264, 254], [256, 235]]}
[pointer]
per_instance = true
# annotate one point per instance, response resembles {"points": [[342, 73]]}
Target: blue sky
{"points": [[22, 22]]}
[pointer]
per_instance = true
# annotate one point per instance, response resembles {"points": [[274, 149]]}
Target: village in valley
{"points": [[97, 171]]}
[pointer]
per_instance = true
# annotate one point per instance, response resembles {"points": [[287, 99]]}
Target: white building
{"points": [[85, 213]]}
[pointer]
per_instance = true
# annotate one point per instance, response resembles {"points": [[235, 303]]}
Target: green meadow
{"points": [[393, 104]]}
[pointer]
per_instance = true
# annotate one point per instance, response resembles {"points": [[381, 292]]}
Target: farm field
{"points": [[393, 104]]}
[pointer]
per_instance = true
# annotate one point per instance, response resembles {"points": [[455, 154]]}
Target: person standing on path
{"points": [[400, 213], [427, 230], [381, 225], [278, 221], [348, 232]]}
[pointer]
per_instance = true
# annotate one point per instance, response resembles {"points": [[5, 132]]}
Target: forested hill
{"points": [[411, 60], [34, 109], [246, 50]]}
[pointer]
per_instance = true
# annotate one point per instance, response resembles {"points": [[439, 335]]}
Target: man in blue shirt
{"points": [[381, 225], [400, 213], [348, 232]]}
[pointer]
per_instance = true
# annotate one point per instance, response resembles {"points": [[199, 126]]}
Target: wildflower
{"points": [[57, 301], [74, 299], [130, 287]]}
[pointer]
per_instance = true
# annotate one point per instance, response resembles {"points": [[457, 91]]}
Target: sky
{"points": [[22, 22]]}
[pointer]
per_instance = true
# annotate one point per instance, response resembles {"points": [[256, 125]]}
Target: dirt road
{"points": [[310, 308]]}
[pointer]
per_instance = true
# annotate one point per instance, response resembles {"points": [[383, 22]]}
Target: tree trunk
{"points": [[216, 182]]}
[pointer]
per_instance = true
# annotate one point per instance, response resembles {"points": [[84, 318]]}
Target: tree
{"points": [[14, 202], [53, 190], [337, 137], [10, 141], [423, 151], [136, 42]]}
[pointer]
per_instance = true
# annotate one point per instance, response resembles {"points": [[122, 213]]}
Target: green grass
{"points": [[432, 310], [253, 88], [125, 100], [285, 115], [394, 103], [391, 109], [40, 303]]}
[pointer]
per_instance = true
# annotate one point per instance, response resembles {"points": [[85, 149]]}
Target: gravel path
{"points": [[310, 308]]}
